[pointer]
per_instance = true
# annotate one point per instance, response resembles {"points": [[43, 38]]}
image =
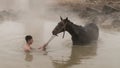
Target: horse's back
{"points": [[92, 30], [91, 26]]}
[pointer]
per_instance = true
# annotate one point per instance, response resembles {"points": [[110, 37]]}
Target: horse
{"points": [[79, 34]]}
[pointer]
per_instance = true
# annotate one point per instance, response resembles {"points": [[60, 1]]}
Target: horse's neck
{"points": [[71, 28]]}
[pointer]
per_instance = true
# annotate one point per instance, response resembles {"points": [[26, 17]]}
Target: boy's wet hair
{"points": [[28, 37]]}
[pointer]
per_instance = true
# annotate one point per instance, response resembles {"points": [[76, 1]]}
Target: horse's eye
{"points": [[60, 24]]}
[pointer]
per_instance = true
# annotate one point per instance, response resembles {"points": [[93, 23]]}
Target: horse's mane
{"points": [[75, 25]]}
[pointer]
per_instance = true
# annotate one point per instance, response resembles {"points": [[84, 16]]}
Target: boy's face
{"points": [[30, 41]]}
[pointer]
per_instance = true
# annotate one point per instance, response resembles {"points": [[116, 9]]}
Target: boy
{"points": [[29, 41]]}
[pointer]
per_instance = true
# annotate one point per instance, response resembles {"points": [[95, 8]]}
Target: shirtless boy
{"points": [[29, 41]]}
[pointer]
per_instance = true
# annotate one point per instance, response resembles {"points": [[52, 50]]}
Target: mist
{"points": [[38, 18]]}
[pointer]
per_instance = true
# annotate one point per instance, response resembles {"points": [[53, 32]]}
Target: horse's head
{"points": [[61, 26]]}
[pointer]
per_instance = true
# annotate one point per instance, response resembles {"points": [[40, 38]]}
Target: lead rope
{"points": [[63, 33], [53, 36], [44, 46]]}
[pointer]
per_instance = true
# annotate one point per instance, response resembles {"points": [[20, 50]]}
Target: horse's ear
{"points": [[66, 18], [61, 18]]}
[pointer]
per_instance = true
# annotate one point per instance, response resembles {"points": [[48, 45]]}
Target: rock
{"points": [[108, 9], [89, 12], [116, 23]]}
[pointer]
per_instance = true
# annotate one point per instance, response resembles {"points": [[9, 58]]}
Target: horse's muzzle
{"points": [[54, 33]]}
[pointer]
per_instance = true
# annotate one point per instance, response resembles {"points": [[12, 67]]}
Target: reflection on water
{"points": [[78, 54], [28, 57]]}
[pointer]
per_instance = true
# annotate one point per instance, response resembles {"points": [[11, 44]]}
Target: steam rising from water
{"points": [[38, 18]]}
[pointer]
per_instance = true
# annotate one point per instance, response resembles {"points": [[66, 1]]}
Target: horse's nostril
{"points": [[53, 33]]}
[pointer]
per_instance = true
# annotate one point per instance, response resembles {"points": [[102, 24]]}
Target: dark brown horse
{"points": [[80, 34]]}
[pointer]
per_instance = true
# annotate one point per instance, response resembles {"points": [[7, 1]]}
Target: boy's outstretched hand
{"points": [[43, 47]]}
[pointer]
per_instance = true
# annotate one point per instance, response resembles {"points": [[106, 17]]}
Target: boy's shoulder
{"points": [[27, 48]]}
